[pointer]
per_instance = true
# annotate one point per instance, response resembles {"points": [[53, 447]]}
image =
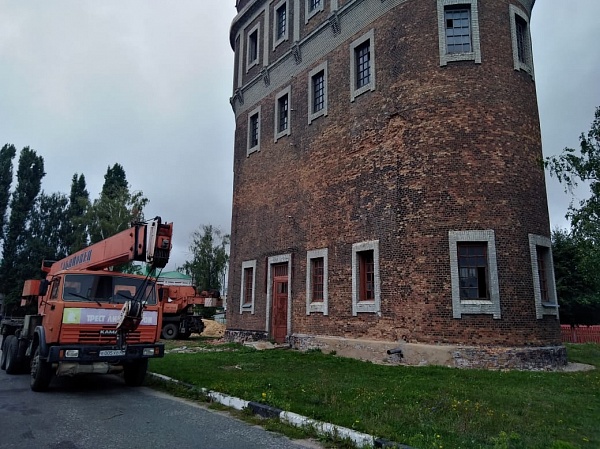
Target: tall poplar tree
{"points": [[7, 154], [116, 208], [79, 203], [29, 181]]}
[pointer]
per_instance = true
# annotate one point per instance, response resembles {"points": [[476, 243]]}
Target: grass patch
{"points": [[425, 407]]}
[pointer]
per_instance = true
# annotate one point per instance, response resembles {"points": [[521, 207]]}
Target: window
{"points": [[317, 88], [282, 114], [280, 24], [542, 266], [316, 281], [366, 295], [366, 272], [248, 286], [474, 273], [252, 48], [472, 270], [312, 8], [253, 131], [362, 65], [458, 31], [521, 40]]}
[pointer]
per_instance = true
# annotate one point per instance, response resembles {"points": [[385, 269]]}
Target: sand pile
{"points": [[213, 329]]}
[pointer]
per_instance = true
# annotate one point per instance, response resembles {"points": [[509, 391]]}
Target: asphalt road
{"points": [[100, 411]]}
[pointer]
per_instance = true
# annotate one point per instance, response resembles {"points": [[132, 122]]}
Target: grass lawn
{"points": [[424, 407]]}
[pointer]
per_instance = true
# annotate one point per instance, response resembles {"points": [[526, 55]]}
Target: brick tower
{"points": [[388, 192]]}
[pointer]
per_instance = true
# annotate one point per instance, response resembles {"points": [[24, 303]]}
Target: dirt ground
{"points": [[213, 329]]}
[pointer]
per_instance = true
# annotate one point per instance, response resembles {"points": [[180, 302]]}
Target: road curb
{"points": [[266, 411]]}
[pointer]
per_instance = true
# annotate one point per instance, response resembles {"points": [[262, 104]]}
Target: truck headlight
{"points": [[148, 351], [72, 353]]}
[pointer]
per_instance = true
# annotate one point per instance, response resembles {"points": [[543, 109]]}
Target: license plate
{"points": [[111, 353]]}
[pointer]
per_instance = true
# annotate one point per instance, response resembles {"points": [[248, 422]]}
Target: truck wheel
{"points": [[135, 372], [3, 355], [12, 353], [170, 331], [41, 372]]}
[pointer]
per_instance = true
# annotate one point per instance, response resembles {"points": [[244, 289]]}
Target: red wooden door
{"points": [[280, 303]]}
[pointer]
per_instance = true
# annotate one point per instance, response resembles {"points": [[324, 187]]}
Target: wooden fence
{"points": [[580, 334]]}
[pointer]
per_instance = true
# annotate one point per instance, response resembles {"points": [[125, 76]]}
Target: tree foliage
{"points": [[79, 204], [51, 226], [7, 154], [29, 182], [577, 279], [209, 258], [577, 254], [116, 208], [572, 167]]}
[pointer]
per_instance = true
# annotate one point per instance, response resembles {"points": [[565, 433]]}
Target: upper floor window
{"points": [[458, 31], [521, 40], [280, 24], [252, 48], [318, 88], [282, 113], [312, 8], [253, 131], [362, 65], [317, 92]]}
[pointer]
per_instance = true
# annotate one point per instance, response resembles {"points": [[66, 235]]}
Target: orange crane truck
{"points": [[91, 319], [178, 301]]}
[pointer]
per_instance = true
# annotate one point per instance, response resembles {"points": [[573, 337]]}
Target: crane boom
{"points": [[142, 242]]}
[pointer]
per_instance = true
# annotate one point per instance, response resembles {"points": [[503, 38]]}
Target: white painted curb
{"points": [[360, 439]]}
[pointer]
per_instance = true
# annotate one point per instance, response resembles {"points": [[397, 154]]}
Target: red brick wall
{"points": [[433, 149]]}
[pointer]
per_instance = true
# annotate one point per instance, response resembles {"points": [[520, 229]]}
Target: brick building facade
{"points": [[388, 192]]}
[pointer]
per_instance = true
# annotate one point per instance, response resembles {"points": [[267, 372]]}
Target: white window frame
{"points": [[320, 306], [286, 132], [278, 40], [311, 94], [255, 148], [475, 54], [526, 66], [254, 62], [365, 306], [354, 92], [475, 306], [246, 307], [308, 14], [543, 308]]}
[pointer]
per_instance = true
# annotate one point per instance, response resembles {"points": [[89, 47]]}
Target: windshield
{"points": [[105, 288]]}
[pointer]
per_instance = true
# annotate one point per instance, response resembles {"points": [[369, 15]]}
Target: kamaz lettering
{"points": [[76, 260]]}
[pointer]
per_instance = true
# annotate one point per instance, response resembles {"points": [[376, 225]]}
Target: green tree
{"points": [[209, 258], [79, 204], [7, 154], [116, 208], [571, 167], [29, 181], [583, 245], [577, 284], [49, 230]]}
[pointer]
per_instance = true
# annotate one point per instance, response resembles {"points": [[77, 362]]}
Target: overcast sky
{"points": [[89, 83]]}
